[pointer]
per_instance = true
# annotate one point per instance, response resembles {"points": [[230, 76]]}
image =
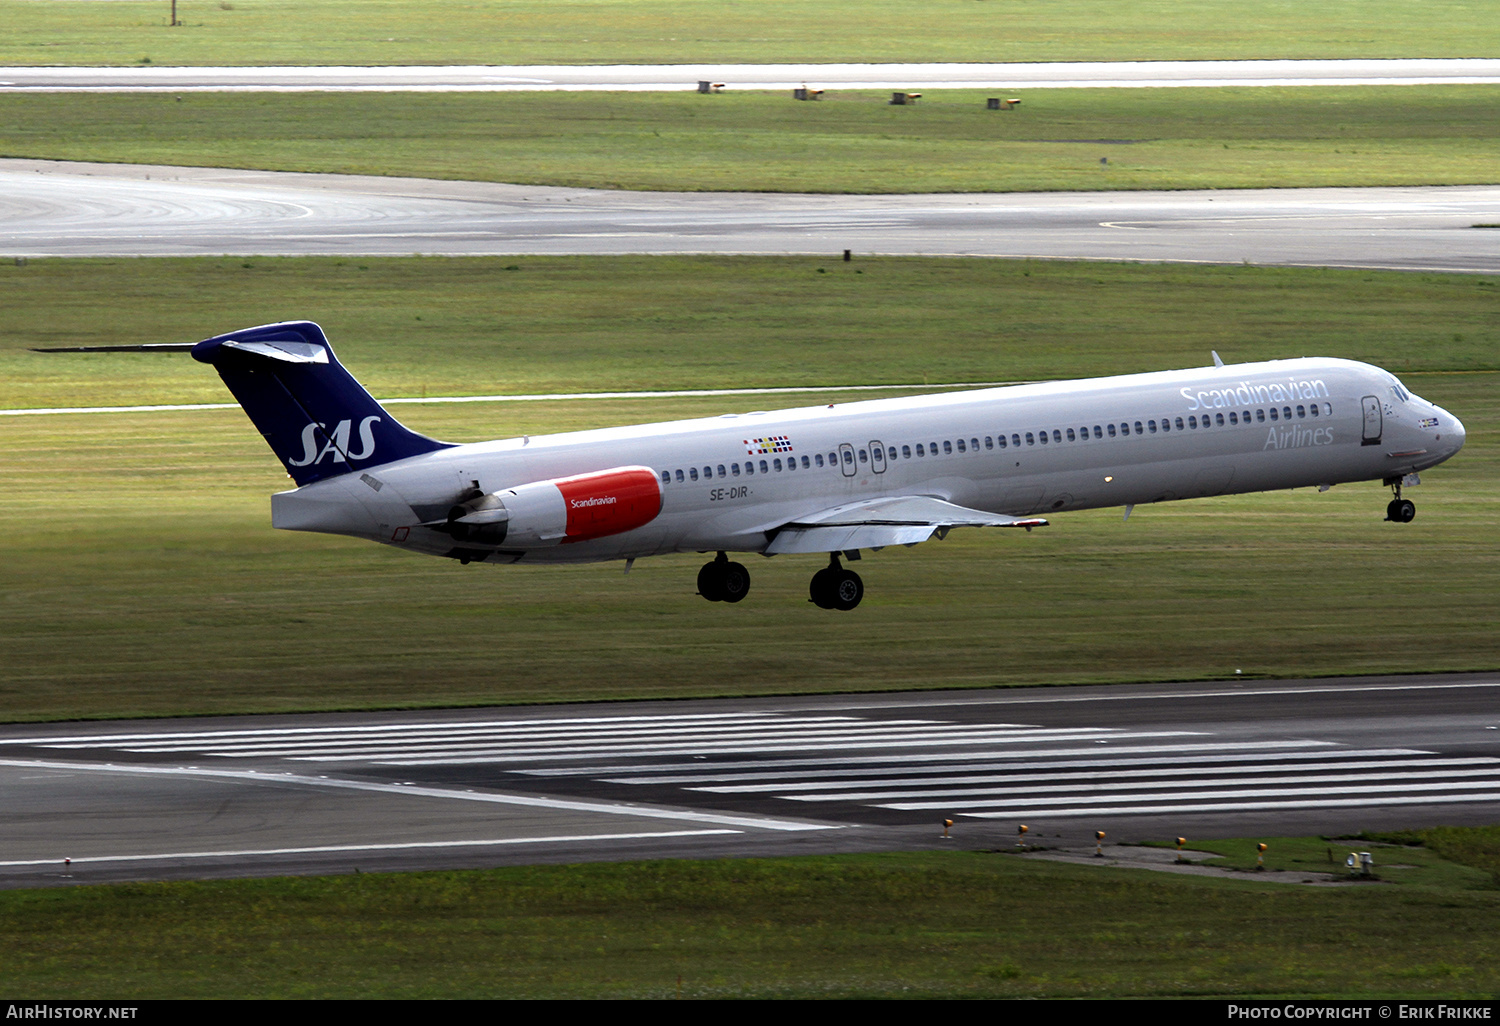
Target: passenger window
{"points": [[1015, 440], [1179, 423], [763, 468], [891, 454], [721, 471], [1030, 438], [1001, 440], [734, 468], [1043, 435], [749, 468], [818, 459], [693, 473], [906, 452], [679, 477], [989, 443], [864, 457], [1301, 413], [1273, 413], [948, 447], [1138, 428], [1219, 419], [666, 477], [1313, 409], [1152, 425], [1111, 431], [1286, 413], [921, 451], [1124, 429], [1234, 418], [1071, 438], [1260, 415], [848, 456], [778, 465], [1099, 432], [961, 446]]}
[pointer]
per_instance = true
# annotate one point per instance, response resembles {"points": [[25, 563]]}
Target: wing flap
{"points": [[874, 523]]}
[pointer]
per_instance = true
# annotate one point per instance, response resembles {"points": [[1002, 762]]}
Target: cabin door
{"points": [[1372, 420]]}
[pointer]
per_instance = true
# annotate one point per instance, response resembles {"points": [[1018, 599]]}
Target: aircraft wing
{"points": [[893, 520]]}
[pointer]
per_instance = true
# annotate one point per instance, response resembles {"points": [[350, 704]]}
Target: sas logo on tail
{"points": [[337, 444]]}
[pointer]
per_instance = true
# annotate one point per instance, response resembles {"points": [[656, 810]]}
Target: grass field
{"points": [[269, 32], [951, 924], [140, 576], [850, 142]]}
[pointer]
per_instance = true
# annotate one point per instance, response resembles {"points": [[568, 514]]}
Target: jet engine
{"points": [[559, 511]]}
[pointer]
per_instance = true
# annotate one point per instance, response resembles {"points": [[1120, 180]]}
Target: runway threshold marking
{"points": [[404, 846], [493, 797]]}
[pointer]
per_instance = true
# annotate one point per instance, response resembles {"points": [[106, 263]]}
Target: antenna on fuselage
{"points": [[1217, 362]]}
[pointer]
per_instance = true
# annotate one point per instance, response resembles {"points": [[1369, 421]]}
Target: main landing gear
{"points": [[1399, 511], [833, 587], [723, 581]]}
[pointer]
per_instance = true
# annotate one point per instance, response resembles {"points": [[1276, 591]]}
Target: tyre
{"points": [[820, 590], [848, 589], [711, 582], [734, 582]]}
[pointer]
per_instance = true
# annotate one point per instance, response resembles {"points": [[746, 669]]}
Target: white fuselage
{"points": [[728, 482]]}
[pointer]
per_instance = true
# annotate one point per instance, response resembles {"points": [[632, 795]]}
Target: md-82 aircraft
{"points": [[828, 480]]}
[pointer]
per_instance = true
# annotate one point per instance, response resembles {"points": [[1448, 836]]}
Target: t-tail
{"points": [[318, 420]]}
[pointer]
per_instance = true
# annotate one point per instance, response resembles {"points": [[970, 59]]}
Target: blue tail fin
{"points": [[318, 420]]}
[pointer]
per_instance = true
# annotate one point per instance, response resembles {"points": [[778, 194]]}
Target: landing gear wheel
{"points": [[820, 591], [1401, 511], [734, 582], [723, 581], [848, 589], [711, 582]]}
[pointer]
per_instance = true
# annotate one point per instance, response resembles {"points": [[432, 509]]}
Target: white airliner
{"points": [[829, 480]]}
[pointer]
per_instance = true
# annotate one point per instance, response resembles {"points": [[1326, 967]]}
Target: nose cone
{"points": [[1454, 435]]}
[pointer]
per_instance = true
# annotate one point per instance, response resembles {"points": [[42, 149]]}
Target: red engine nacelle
{"points": [[562, 510]]}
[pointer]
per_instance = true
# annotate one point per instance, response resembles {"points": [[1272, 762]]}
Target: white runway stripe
{"points": [[94, 860], [1135, 755], [1103, 770], [1186, 790], [492, 797], [784, 744], [809, 729], [1185, 808]]}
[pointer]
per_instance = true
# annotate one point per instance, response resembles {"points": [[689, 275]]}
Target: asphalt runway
{"points": [[671, 77], [250, 796], [76, 209]]}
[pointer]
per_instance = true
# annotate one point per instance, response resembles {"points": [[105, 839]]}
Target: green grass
{"points": [[850, 142], [460, 326], [1448, 858], [267, 32], [952, 924], [139, 574]]}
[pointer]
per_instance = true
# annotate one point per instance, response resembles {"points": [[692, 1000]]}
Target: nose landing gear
{"points": [[1399, 510], [723, 581], [833, 587]]}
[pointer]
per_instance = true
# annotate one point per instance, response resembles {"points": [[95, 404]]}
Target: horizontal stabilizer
{"points": [[144, 347], [874, 523]]}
